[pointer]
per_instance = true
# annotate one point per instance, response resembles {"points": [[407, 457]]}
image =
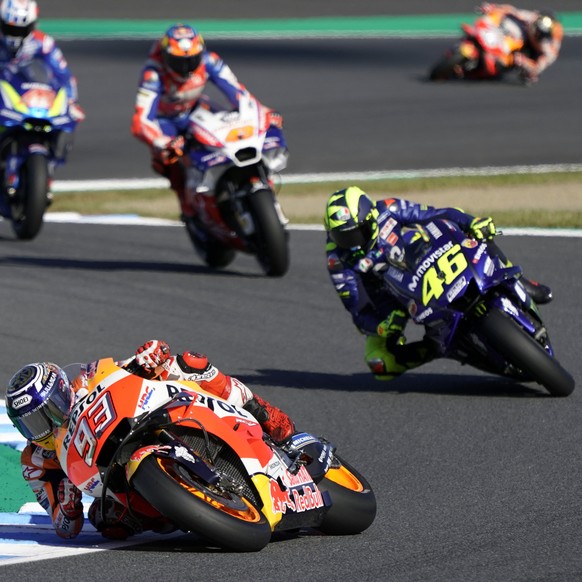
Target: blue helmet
{"points": [[38, 399]]}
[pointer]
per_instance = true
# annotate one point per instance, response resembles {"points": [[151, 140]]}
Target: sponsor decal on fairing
{"points": [[456, 288], [427, 264]]}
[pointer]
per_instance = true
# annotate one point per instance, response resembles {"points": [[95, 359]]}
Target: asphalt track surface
{"points": [[476, 478], [353, 104]]}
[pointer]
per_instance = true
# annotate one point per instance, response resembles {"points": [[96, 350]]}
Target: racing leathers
{"points": [[538, 53], [163, 104], [376, 313], [38, 45], [62, 500]]}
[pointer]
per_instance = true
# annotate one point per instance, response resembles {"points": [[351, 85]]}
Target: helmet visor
{"points": [[39, 422], [16, 31], [182, 65], [358, 236]]}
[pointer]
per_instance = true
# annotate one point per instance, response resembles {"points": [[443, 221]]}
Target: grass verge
{"points": [[552, 200]]}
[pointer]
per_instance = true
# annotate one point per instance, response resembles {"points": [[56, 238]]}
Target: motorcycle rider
{"points": [[360, 234], [21, 42], [40, 397], [172, 81], [542, 35]]}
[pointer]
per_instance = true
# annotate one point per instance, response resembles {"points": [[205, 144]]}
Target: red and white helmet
{"points": [[17, 21]]}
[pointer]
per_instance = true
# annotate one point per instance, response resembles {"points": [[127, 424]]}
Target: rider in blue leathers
{"points": [[360, 234], [21, 42]]}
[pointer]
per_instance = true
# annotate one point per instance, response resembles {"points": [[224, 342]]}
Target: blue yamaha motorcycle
{"points": [[473, 306], [36, 131]]}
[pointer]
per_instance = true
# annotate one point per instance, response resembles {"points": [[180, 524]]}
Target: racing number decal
{"points": [[450, 265], [97, 419]]}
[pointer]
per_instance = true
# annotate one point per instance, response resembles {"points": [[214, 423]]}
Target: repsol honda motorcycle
{"points": [[474, 308], [182, 458], [485, 51]]}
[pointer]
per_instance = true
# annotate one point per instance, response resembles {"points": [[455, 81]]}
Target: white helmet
{"points": [[17, 21]]}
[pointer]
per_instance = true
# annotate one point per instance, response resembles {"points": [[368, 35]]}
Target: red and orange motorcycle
{"points": [[174, 454], [486, 50]]}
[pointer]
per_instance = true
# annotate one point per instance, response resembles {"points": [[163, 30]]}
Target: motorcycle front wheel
{"points": [[270, 237], [446, 68], [526, 354], [353, 502], [229, 520], [31, 198]]}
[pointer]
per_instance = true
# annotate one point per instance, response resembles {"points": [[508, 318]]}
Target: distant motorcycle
{"points": [[230, 158], [37, 130], [474, 308], [485, 51]]}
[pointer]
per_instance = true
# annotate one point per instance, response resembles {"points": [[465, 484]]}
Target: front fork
{"points": [[14, 158]]}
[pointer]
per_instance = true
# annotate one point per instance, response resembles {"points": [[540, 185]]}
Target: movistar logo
{"points": [[427, 264]]}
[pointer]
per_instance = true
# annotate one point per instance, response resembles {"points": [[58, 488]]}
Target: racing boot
{"points": [[541, 294], [388, 362], [273, 420]]}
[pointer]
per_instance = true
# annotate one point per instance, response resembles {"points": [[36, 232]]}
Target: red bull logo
{"points": [[296, 500]]}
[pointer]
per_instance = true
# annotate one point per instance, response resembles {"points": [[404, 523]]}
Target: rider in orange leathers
{"points": [[542, 36], [40, 396]]}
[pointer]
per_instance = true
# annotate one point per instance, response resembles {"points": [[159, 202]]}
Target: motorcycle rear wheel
{"points": [[231, 521], [270, 236], [31, 198], [525, 353], [354, 502], [212, 252]]}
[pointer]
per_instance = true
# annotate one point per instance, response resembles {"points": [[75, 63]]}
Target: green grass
{"points": [[534, 200]]}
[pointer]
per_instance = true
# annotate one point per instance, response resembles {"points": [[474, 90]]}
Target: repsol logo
{"points": [[81, 407], [427, 264]]}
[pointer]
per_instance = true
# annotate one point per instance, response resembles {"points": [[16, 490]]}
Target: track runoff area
{"points": [[390, 26], [92, 186]]}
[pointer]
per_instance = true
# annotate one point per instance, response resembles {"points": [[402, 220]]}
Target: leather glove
{"points": [[68, 514], [76, 111], [152, 355], [482, 228], [170, 149]]}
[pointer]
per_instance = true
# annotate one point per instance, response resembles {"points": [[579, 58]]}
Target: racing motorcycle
{"points": [[185, 459], [485, 51], [230, 158], [474, 308], [37, 130]]}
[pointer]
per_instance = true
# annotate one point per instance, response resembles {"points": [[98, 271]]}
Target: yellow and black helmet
{"points": [[351, 219]]}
